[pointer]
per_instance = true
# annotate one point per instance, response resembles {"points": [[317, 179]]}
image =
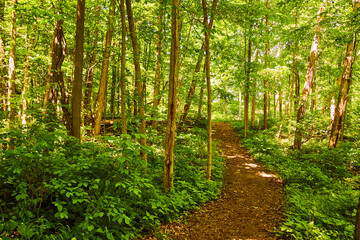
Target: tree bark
{"points": [[158, 61], [24, 89], [253, 101], [171, 114], [101, 97], [78, 62], [138, 79], [12, 63], [122, 72], [267, 53], [2, 59], [310, 76], [209, 90], [345, 79], [247, 87]]}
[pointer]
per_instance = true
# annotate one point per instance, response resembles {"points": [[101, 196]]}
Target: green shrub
{"points": [[52, 187]]}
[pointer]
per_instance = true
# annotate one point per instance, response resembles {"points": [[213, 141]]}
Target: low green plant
{"points": [[52, 187], [320, 202]]}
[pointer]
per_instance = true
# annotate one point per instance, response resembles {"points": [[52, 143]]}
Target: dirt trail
{"points": [[250, 205]]}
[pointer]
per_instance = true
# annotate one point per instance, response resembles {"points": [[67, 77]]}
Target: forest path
{"points": [[250, 205]]}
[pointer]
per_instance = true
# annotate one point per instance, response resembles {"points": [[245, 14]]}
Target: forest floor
{"points": [[251, 203]]}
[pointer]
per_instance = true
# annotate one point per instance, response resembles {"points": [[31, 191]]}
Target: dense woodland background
{"points": [[94, 97]]}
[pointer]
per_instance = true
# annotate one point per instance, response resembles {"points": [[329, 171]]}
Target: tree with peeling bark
{"points": [[310, 76], [345, 83]]}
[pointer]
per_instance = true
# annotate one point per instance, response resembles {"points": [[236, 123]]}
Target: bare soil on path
{"points": [[250, 205]]}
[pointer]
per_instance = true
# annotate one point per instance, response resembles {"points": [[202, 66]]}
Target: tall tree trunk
{"points": [[12, 63], [293, 97], [253, 107], [201, 97], [357, 223], [122, 72], [57, 55], [267, 52], [2, 59], [78, 62], [171, 113], [240, 103], [156, 100], [310, 76], [89, 77], [253, 101], [138, 79], [247, 86], [209, 92], [23, 105], [112, 92], [101, 97], [345, 79]]}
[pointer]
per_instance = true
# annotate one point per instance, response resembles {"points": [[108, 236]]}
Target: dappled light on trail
{"points": [[250, 205]]}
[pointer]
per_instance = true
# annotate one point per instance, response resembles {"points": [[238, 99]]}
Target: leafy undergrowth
{"points": [[319, 182], [52, 187]]}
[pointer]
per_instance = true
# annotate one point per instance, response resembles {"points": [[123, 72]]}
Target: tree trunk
{"points": [[57, 55], [101, 97], [336, 126], [122, 72], [138, 80], [310, 76], [357, 223], [2, 59], [12, 64], [112, 92], [209, 92], [293, 81], [253, 101], [159, 34], [239, 103], [247, 86], [78, 62], [89, 77], [23, 106], [267, 52], [171, 110], [200, 101]]}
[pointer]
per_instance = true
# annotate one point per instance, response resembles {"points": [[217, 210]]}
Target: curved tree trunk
{"points": [[336, 126], [310, 76]]}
